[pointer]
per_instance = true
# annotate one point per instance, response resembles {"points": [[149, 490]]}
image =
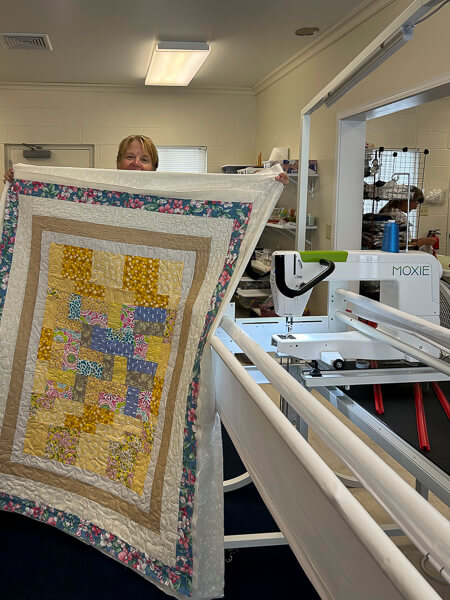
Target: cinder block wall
{"points": [[63, 114]]}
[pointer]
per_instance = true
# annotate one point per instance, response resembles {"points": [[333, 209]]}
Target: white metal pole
{"points": [[426, 527], [389, 313], [302, 191], [376, 334]]}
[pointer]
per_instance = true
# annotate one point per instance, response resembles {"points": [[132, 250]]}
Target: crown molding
{"points": [[124, 89], [356, 17]]}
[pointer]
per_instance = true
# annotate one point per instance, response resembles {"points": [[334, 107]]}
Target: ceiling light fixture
{"points": [[176, 63]]}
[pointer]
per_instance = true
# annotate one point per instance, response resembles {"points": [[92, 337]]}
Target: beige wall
{"points": [[278, 106], [224, 122], [426, 126]]}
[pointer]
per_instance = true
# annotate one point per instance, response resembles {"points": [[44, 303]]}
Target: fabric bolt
{"points": [[111, 283]]}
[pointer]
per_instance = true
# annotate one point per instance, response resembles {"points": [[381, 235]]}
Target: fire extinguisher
{"points": [[434, 233]]}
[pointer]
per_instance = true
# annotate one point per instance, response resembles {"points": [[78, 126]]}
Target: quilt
{"points": [[111, 283]]}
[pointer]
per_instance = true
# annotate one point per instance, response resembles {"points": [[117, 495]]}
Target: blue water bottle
{"points": [[390, 237]]}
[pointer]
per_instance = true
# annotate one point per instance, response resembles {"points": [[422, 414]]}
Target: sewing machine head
{"points": [[409, 281]]}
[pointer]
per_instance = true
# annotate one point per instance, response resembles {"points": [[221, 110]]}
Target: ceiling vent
{"points": [[25, 41]]}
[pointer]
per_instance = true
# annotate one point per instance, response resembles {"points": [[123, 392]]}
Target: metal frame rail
{"points": [[342, 550]]}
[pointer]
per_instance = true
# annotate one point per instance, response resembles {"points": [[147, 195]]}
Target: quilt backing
{"points": [[110, 284]]}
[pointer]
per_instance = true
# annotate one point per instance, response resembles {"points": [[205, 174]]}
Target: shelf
{"points": [[286, 226], [290, 227], [311, 173]]}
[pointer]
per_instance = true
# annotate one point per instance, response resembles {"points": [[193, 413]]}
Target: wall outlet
{"points": [[424, 211], [328, 232]]}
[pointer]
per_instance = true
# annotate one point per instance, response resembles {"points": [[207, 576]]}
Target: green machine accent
{"points": [[316, 255]]}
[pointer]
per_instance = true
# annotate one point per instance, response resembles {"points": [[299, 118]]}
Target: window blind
{"points": [[182, 159]]}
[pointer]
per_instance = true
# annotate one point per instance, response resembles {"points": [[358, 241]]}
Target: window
{"points": [[182, 159]]}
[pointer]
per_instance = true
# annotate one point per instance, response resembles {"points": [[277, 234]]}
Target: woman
{"points": [[139, 153], [399, 211]]}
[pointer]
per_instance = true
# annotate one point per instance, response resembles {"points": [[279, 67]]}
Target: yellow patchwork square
{"points": [[170, 279], [140, 274], [35, 440], [51, 305], [173, 301], [158, 383], [62, 307], [116, 296], [73, 422], [161, 371], [61, 284], [67, 377], [134, 271], [164, 354], [93, 452], [40, 377], [95, 414], [140, 472], [92, 392], [86, 353], [76, 263], [107, 269], [154, 348], [91, 290], [55, 360], [95, 304], [45, 344], [95, 387], [55, 257], [120, 369], [114, 312], [145, 297]]}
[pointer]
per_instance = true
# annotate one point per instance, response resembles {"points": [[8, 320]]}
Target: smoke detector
{"points": [[25, 41], [306, 31]]}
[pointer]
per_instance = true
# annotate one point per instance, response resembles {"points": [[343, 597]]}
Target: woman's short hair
{"points": [[147, 144]]}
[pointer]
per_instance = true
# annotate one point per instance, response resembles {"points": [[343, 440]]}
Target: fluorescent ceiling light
{"points": [[176, 63]]}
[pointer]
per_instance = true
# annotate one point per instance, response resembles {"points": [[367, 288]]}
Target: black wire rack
{"points": [[393, 189]]}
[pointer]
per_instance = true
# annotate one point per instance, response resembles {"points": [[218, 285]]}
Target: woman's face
{"points": [[135, 159]]}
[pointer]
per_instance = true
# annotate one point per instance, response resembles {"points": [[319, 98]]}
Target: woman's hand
{"points": [[9, 176], [425, 241], [283, 178]]}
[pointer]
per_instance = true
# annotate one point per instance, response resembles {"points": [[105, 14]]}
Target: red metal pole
{"points": [[442, 399], [422, 432], [378, 396]]}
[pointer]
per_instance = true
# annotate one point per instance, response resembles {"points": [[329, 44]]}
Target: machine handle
{"points": [[280, 278]]}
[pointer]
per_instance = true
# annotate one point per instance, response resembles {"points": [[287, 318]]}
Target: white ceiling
{"points": [[109, 41]]}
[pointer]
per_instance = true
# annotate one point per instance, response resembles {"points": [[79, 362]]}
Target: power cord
{"points": [[427, 572], [432, 13]]}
